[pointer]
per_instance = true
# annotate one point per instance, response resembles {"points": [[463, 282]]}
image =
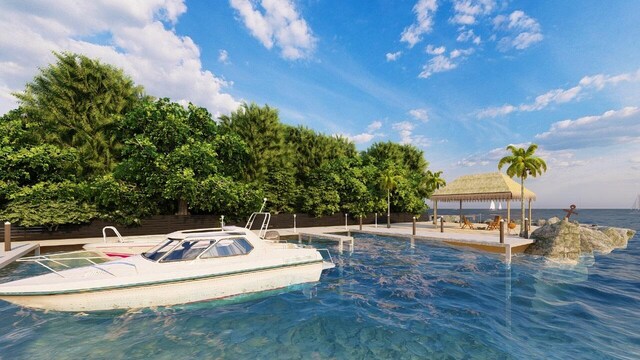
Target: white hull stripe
{"points": [[161, 282]]}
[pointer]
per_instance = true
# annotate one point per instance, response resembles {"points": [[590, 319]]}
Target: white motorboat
{"points": [[127, 247], [189, 266]]}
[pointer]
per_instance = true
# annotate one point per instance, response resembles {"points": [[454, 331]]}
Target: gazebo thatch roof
{"points": [[482, 187]]}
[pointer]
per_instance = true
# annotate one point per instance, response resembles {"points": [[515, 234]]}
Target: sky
{"points": [[459, 79]]}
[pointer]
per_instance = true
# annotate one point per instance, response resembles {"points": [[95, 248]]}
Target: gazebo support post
{"points": [[435, 212], [460, 219], [508, 211]]}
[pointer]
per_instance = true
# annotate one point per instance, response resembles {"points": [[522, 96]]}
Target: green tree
{"points": [[434, 181], [389, 179], [50, 204], [523, 163], [171, 156], [260, 129], [76, 102]]}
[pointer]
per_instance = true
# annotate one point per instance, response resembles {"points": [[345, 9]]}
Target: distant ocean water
{"points": [[387, 300]]}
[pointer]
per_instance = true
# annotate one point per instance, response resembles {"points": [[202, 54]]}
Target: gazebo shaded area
{"points": [[481, 187]]}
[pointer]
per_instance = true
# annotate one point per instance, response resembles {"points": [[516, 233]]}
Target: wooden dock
{"points": [[17, 251], [484, 240]]}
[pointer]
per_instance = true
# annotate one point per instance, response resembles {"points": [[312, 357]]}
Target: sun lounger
{"points": [[495, 224], [466, 223]]}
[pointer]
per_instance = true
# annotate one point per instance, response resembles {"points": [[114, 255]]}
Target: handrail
{"points": [[39, 259], [112, 228], [328, 253], [265, 223]]}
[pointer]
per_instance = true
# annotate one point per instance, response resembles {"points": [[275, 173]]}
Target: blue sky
{"points": [[460, 79]]}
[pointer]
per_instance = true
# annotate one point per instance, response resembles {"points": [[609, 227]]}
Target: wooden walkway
{"points": [[478, 239], [17, 251]]}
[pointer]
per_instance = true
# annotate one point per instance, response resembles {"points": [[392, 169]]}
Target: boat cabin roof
{"points": [[208, 233]]}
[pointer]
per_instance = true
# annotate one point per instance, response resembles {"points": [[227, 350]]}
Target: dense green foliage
{"points": [[522, 163], [86, 142]]}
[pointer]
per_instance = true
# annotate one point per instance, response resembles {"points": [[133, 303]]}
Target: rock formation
{"points": [[567, 241]]}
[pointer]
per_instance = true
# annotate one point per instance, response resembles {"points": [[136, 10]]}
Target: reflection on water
{"points": [[386, 300]]}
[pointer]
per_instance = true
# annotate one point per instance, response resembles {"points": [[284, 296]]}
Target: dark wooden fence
{"points": [[163, 224]]}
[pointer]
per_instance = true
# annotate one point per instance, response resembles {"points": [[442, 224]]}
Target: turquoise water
{"points": [[387, 300]]}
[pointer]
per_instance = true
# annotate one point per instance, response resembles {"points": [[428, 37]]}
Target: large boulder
{"points": [[566, 241], [558, 241], [553, 220]]}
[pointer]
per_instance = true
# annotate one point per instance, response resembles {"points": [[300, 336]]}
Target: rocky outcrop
{"points": [[566, 241]]}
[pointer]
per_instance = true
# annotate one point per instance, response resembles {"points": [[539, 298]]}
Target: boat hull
{"points": [[173, 293]]}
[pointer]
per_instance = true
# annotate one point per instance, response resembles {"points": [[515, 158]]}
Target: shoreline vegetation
{"points": [[87, 143]]}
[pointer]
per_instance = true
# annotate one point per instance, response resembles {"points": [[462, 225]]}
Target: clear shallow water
{"points": [[386, 300]]}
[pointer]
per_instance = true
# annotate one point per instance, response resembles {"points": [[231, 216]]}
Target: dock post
{"points": [[502, 231], [360, 222], [346, 224], [526, 228], [414, 225], [221, 221], [294, 223], [376, 220], [441, 224], [7, 236]]}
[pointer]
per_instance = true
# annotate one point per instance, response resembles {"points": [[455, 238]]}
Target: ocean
{"points": [[387, 300]]}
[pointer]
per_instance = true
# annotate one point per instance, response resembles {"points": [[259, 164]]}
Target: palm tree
{"points": [[434, 181], [389, 180], [523, 163]]}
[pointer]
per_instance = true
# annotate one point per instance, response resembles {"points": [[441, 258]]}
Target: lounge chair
{"points": [[495, 224], [466, 223]]}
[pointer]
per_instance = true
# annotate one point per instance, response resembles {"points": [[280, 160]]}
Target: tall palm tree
{"points": [[389, 180], [523, 163], [434, 181]]}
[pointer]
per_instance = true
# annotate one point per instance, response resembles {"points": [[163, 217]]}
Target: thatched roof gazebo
{"points": [[482, 187]]}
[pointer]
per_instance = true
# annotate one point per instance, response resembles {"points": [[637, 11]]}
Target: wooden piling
{"points": [[414, 225], [7, 236], [441, 224], [502, 231], [360, 222]]}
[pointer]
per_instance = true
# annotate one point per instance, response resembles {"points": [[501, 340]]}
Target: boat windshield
{"points": [[188, 250], [161, 249]]}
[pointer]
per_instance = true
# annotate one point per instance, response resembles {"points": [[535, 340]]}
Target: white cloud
{"points": [[223, 56], [393, 56], [132, 36], [431, 50], [419, 114], [521, 31], [460, 52], [437, 64], [611, 128], [466, 12], [424, 10], [442, 63], [366, 136], [559, 96], [376, 125], [361, 138], [278, 23], [599, 81], [405, 130], [468, 35]]}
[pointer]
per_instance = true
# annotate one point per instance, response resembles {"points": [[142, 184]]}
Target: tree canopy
{"points": [[86, 142]]}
